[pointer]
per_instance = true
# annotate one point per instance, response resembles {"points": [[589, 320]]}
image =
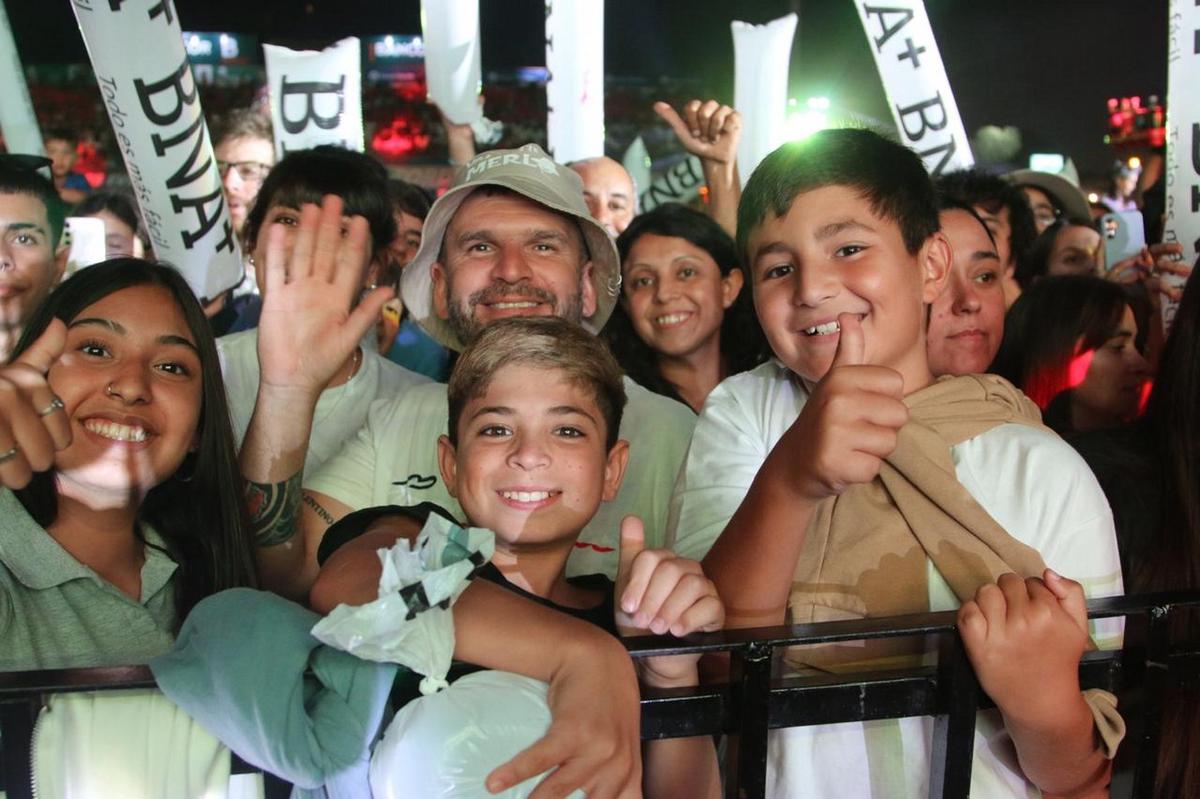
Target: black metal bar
{"points": [[1155, 681], [16, 739], [746, 753], [752, 703], [883, 627], [953, 749]]}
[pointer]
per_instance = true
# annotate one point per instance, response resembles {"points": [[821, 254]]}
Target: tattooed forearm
{"points": [[325, 515], [274, 508]]}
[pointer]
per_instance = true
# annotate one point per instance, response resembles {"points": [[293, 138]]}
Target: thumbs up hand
{"points": [[657, 592], [33, 422], [849, 424]]}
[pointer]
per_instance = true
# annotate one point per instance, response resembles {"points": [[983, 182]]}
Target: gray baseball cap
{"points": [[531, 173]]}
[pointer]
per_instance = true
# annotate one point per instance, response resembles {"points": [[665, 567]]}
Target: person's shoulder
{"points": [[418, 404], [646, 404], [1029, 441], [768, 397], [769, 379], [1032, 466], [238, 354], [238, 346], [393, 373]]}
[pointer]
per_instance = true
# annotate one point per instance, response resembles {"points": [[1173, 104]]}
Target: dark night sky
{"points": [[1046, 66]]}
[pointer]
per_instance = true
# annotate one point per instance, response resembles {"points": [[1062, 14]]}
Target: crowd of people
{"points": [[847, 390]]}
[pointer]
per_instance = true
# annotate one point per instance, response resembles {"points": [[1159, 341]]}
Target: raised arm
{"points": [[307, 331], [711, 131]]}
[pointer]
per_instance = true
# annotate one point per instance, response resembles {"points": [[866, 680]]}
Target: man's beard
{"points": [[462, 314]]}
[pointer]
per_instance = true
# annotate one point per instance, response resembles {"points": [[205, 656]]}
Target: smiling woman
{"points": [[122, 505], [684, 322]]}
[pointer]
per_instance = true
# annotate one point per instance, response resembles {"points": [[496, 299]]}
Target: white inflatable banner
{"points": [[155, 112], [316, 96], [1183, 137], [17, 121], [451, 29], [575, 90], [915, 82], [761, 54], [679, 184], [637, 163]]}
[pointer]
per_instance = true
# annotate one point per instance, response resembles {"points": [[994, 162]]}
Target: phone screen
{"points": [[1124, 236]]}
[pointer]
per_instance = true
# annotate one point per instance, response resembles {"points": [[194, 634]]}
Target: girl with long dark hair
{"points": [[1150, 472], [1070, 343], [123, 504], [684, 322]]}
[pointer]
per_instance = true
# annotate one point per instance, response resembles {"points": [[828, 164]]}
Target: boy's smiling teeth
{"points": [[114, 431], [823, 330], [528, 496], [828, 328]]}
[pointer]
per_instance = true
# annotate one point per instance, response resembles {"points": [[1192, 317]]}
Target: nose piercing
{"points": [[108, 391]]}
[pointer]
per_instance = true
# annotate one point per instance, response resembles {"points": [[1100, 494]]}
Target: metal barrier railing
{"points": [[752, 703]]}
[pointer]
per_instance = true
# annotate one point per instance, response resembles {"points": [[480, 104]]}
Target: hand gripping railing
{"points": [[753, 703]]}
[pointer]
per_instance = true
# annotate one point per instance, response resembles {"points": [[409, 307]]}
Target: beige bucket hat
{"points": [[531, 173], [1069, 197]]}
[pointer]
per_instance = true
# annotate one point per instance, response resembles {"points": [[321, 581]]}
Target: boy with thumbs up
{"points": [[842, 481], [532, 451]]}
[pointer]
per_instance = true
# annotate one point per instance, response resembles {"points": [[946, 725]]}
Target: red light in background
{"points": [[1078, 368], [399, 139], [1147, 387]]}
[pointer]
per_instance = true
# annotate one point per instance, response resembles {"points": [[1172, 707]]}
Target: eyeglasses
{"points": [[248, 171]]}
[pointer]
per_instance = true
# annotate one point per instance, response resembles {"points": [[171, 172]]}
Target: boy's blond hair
{"points": [[546, 342]]}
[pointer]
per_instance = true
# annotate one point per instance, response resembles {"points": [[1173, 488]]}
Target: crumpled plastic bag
{"points": [[410, 623], [446, 745]]}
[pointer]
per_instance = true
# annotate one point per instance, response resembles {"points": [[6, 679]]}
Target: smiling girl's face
{"points": [[130, 378]]}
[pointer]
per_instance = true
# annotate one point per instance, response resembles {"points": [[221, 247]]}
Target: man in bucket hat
{"points": [[512, 237], [545, 201]]}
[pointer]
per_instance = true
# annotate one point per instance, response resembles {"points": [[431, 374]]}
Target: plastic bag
{"points": [[410, 623], [445, 745]]}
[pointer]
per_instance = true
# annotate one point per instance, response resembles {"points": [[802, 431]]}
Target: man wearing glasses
{"points": [[245, 152]]}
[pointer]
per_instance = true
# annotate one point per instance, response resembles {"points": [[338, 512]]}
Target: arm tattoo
{"points": [[325, 515], [274, 508]]}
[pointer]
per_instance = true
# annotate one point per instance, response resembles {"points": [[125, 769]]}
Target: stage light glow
{"points": [[804, 123]]}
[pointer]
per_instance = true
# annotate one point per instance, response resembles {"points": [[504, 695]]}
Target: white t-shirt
{"points": [[393, 461], [340, 411], [1028, 480]]}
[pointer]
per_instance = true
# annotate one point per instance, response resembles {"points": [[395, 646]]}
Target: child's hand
{"points": [[659, 592], [1025, 639], [593, 743], [849, 424]]}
